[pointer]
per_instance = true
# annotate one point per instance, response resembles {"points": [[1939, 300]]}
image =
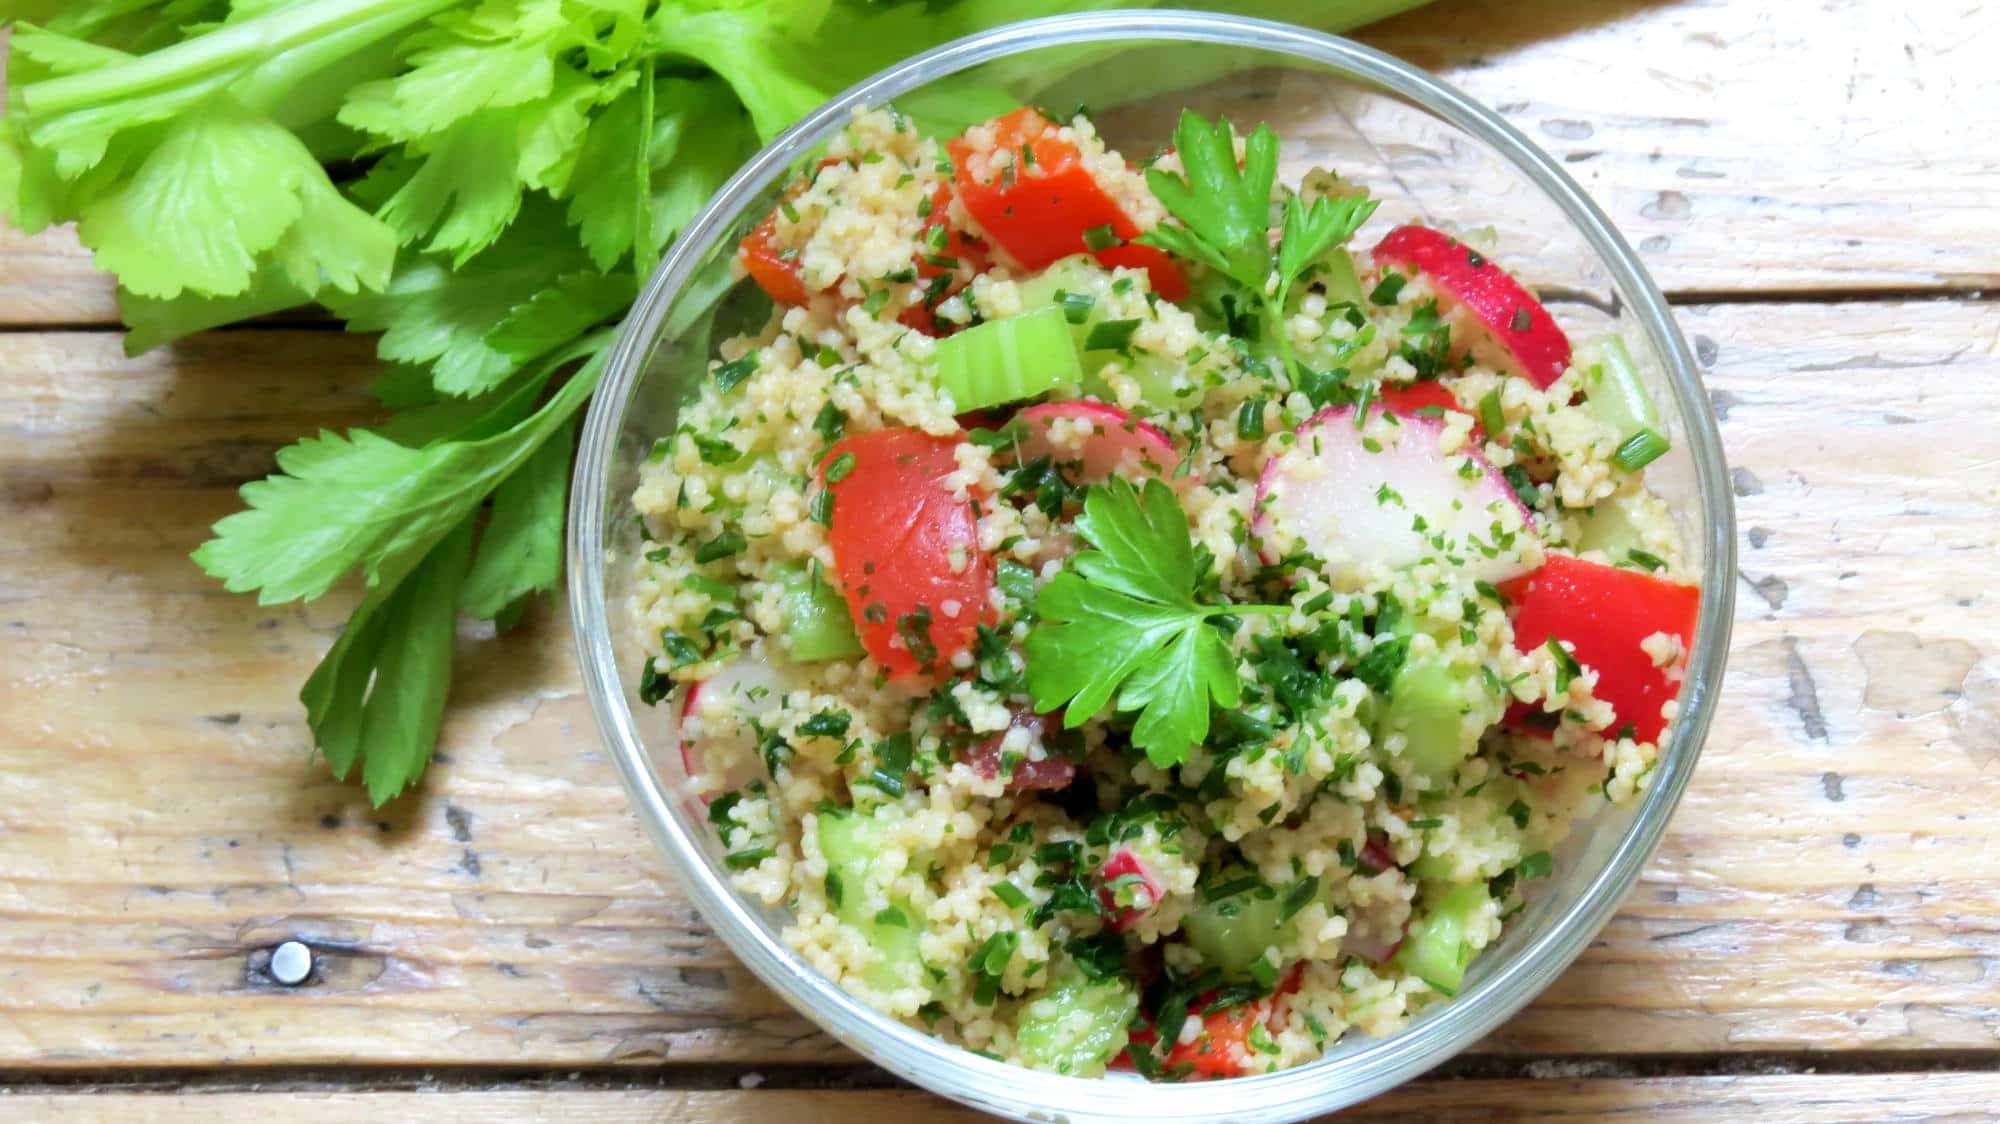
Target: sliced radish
{"points": [[1506, 327], [1101, 440], [1385, 496], [1371, 946], [1148, 891], [751, 689], [1046, 775], [1375, 852]]}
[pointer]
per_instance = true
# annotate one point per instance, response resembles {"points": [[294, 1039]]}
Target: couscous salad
{"points": [[1130, 624]]}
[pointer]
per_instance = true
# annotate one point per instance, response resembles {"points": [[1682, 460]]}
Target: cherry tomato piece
{"points": [[1605, 615], [766, 265], [1043, 203], [905, 549]]}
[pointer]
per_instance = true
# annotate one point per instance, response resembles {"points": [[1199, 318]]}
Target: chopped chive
{"points": [[830, 422], [721, 546], [1100, 237], [1111, 335], [1011, 894], [839, 468], [1640, 450], [1076, 306], [745, 859], [1649, 560], [1250, 420], [1491, 417], [1567, 669]]}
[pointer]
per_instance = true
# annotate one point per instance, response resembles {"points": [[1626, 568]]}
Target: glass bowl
{"points": [[1426, 151]]}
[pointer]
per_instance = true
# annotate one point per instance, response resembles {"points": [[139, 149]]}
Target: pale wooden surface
{"points": [[1831, 884], [1678, 1100]]}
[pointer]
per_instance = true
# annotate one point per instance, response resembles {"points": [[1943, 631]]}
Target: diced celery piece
{"points": [[1614, 393], [1612, 527], [1233, 932], [849, 840], [1008, 360], [1429, 867], [1440, 712], [1076, 1025], [817, 622], [1337, 273], [1077, 274], [1436, 950], [1078, 287]]}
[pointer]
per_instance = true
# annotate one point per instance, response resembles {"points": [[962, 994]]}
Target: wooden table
{"points": [[1816, 183]]}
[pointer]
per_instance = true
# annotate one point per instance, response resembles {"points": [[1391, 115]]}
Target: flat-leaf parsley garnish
{"points": [[1121, 626], [1224, 213]]}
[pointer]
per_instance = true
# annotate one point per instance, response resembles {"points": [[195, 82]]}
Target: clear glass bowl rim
{"points": [[994, 1086]]}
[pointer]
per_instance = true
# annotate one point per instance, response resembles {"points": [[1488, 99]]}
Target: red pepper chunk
{"points": [[1429, 394], [1222, 1049], [1605, 614], [1039, 206], [905, 549], [773, 273], [961, 257]]}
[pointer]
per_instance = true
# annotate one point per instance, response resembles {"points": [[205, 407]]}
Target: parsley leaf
{"points": [[1121, 626], [1224, 210], [1311, 231]]}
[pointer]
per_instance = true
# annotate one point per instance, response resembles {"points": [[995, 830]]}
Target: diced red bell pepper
{"points": [[1428, 394], [773, 273], [1222, 1049], [1040, 205], [1604, 614], [962, 257]]}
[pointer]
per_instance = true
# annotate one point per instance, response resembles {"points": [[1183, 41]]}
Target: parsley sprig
{"points": [[1121, 627], [1225, 215]]}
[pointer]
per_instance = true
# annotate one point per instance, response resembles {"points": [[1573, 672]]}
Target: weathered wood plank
{"points": [[1789, 145], [1680, 1100], [1830, 882], [1798, 144], [48, 278]]}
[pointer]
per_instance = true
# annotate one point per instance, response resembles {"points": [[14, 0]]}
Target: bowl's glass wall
{"points": [[1332, 113]]}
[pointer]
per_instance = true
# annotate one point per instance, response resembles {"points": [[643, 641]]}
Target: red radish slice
{"points": [[1507, 326], [1385, 497], [1047, 775], [752, 689], [1116, 441], [1372, 948], [1375, 852], [1124, 864]]}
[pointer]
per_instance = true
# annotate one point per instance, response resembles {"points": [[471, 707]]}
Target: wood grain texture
{"points": [[1786, 145], [1780, 146], [1932, 1097], [1828, 884]]}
